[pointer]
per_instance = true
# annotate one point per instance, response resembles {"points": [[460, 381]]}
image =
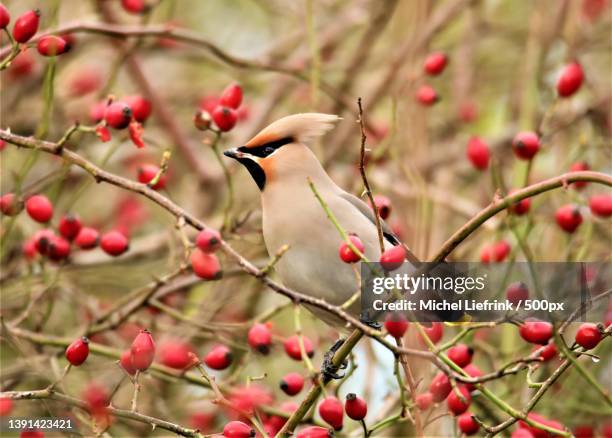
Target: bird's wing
{"points": [[365, 210]]}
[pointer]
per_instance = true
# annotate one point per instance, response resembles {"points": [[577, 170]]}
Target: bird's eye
{"points": [[268, 150]]}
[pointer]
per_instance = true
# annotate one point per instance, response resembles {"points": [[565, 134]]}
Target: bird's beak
{"points": [[233, 153]]}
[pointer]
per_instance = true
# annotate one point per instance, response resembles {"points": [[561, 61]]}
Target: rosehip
{"points": [[292, 347], [231, 96], [521, 433], [31, 433], [383, 204], [461, 354], [584, 431], [26, 26], [568, 217], [10, 204], [472, 371], [517, 292], [396, 324], [176, 354], [315, 432], [114, 243], [238, 429], [485, 254], [426, 95], [205, 265], [536, 332], [440, 387], [525, 145], [202, 120], [147, 172], [521, 207], [208, 103], [225, 118], [51, 45], [39, 208], [331, 412], [136, 132], [292, 383], [539, 433], [347, 255], [96, 397], [219, 358], [134, 6], [260, 338], [548, 352], [77, 352], [85, 81], [606, 430], [42, 240], [454, 402], [501, 250], [5, 17], [356, 408], [570, 80], [588, 336], [22, 66], [118, 115], [393, 258], [6, 404], [29, 249], [424, 401], [87, 238], [601, 205], [579, 166], [435, 332], [141, 107], [126, 362], [208, 240], [467, 424], [142, 350], [478, 153], [435, 63], [59, 248], [97, 110], [69, 226]]}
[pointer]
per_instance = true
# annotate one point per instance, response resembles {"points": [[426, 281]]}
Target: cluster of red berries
{"points": [[390, 259], [130, 112], [332, 410], [434, 65], [71, 230], [204, 262], [224, 110], [496, 252]]}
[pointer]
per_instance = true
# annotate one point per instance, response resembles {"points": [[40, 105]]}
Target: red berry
{"points": [[521, 207], [292, 383], [225, 118], [205, 265], [70, 226], [5, 17], [461, 354], [231, 96], [292, 347], [77, 352], [525, 145], [176, 354], [440, 387], [435, 332], [500, 250], [383, 204], [356, 408], [454, 402], [468, 111], [126, 362], [208, 103], [29, 249], [393, 258], [539, 433], [536, 332], [315, 432], [238, 429], [548, 352], [606, 430], [97, 110], [141, 107], [96, 397], [347, 255], [42, 240], [588, 335], [568, 217], [584, 431], [208, 240], [143, 350], [114, 243], [426, 95], [134, 6], [517, 292], [26, 26], [601, 205], [435, 63], [467, 424], [147, 172], [202, 120], [570, 80], [118, 115], [424, 401], [22, 66], [579, 166], [485, 254], [59, 248], [31, 433], [136, 132], [51, 45], [10, 205], [85, 81], [87, 238], [396, 324], [521, 433], [472, 371], [478, 153], [331, 412], [219, 358], [260, 338], [39, 208], [6, 404]]}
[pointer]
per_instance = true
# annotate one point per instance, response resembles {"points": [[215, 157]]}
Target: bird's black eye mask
{"points": [[266, 149]]}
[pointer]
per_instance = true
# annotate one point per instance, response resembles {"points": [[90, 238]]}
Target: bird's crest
{"points": [[298, 127]]}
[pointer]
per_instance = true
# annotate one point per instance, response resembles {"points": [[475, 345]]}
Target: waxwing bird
{"points": [[281, 163]]}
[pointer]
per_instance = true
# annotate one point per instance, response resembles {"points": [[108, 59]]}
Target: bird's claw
{"points": [[329, 371]]}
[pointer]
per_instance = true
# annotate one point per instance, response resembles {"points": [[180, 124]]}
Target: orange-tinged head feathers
{"points": [[301, 128]]}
